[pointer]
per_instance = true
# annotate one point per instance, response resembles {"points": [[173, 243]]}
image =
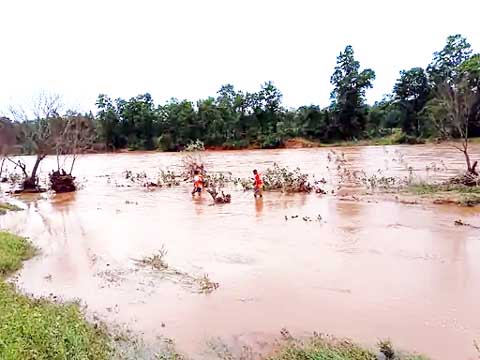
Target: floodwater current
{"points": [[367, 270]]}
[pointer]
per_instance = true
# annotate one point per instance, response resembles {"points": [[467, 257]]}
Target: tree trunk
{"points": [[35, 167], [467, 160], [1, 168], [30, 182], [474, 168]]}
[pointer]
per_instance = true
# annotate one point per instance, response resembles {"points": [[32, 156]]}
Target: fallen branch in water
{"points": [[203, 284], [460, 222]]}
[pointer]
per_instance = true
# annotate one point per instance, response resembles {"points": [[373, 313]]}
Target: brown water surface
{"points": [[369, 270]]}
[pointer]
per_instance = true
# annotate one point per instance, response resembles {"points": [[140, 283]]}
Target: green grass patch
{"points": [[448, 193], [322, 347], [470, 199], [37, 328], [13, 250], [4, 207], [425, 189]]}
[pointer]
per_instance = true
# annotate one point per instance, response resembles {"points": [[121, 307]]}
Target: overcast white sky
{"points": [[189, 48]]}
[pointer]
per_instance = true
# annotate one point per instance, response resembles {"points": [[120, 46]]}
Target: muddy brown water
{"points": [[369, 270]]}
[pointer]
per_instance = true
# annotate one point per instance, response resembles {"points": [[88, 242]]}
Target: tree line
{"points": [[419, 106]]}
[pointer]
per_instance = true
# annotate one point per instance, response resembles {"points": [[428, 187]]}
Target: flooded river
{"points": [[369, 270]]}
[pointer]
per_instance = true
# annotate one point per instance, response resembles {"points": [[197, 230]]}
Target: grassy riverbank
{"points": [[4, 207], [321, 347], [447, 194], [37, 328]]}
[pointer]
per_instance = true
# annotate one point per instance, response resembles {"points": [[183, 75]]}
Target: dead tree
{"points": [[451, 114], [73, 136], [35, 135]]}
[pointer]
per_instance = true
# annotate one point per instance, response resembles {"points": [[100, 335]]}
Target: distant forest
{"points": [[416, 109]]}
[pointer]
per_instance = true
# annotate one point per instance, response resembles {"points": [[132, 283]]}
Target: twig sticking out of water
{"points": [[202, 284], [156, 261]]}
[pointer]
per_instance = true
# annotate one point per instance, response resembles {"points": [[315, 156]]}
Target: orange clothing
{"points": [[198, 181], [258, 181]]}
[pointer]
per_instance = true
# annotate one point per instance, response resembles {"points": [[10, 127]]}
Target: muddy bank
{"points": [[368, 270]]}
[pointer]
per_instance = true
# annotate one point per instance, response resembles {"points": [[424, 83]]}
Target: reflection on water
{"points": [[258, 206], [367, 270]]}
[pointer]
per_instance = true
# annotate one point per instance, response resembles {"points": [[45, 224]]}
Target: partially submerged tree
{"points": [[455, 107], [73, 135], [49, 133], [451, 112], [36, 135]]}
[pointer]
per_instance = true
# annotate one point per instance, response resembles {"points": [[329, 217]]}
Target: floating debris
{"points": [[460, 222]]}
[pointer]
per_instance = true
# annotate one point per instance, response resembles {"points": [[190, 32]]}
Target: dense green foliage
{"points": [[237, 119], [39, 329]]}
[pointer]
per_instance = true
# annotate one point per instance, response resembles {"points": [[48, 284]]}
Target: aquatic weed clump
{"points": [[156, 261], [200, 284]]}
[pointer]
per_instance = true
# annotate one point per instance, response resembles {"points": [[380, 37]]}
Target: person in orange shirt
{"points": [[258, 184], [197, 183]]}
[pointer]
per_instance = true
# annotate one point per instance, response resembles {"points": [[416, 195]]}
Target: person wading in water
{"points": [[257, 184], [197, 183]]}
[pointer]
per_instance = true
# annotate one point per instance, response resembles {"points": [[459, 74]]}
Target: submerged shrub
{"points": [[284, 179]]}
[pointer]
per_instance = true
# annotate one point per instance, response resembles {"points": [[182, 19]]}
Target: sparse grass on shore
{"points": [[316, 347], [13, 250], [425, 189], [324, 347], [448, 193], [4, 207], [37, 328]]}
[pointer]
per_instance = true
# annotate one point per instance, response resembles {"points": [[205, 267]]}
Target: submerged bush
{"points": [[168, 178], [284, 179], [215, 184]]}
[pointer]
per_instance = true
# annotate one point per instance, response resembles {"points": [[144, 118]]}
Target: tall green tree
{"points": [[138, 117], [109, 123], [411, 93], [470, 72], [348, 95], [312, 122], [446, 62]]}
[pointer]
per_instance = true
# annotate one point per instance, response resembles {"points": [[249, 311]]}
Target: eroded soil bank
{"points": [[368, 270]]}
